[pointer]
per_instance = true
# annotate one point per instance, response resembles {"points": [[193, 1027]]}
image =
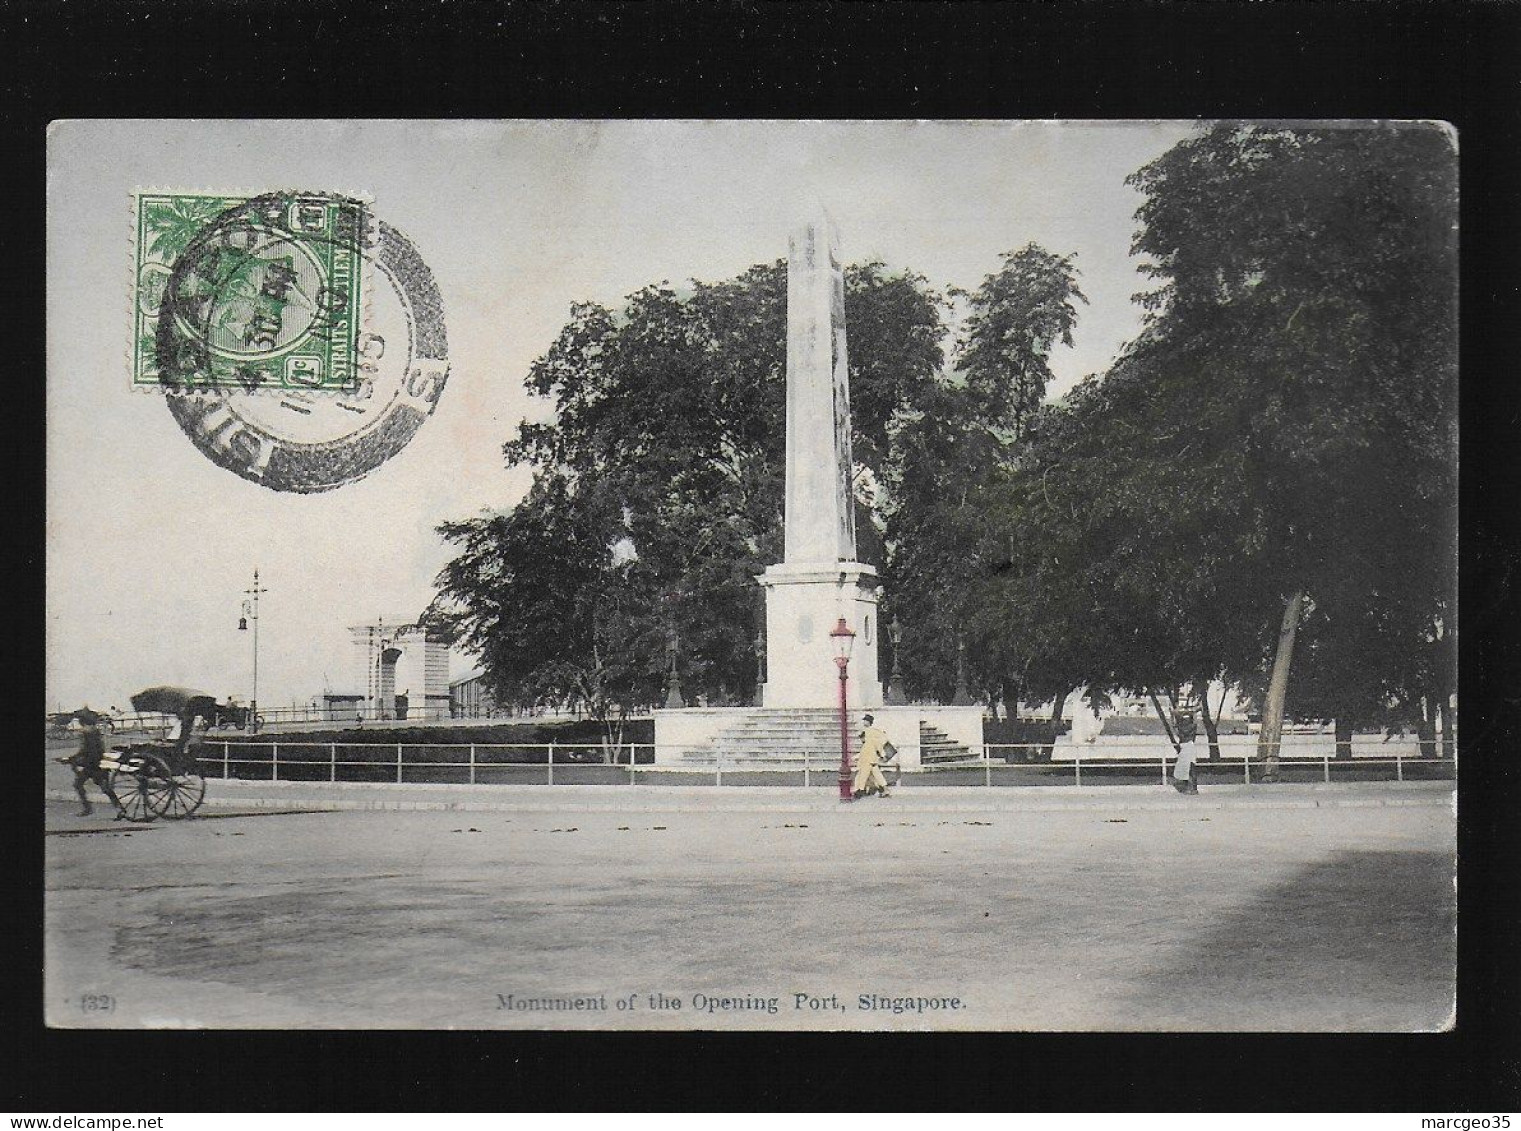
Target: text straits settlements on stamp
{"points": [[273, 301], [300, 341]]}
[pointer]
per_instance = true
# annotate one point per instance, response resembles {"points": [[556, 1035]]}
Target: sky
{"points": [[150, 545]]}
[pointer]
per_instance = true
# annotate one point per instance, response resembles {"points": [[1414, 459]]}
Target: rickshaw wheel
{"points": [[140, 792], [183, 796]]}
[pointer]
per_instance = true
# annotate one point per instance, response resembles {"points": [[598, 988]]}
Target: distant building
{"points": [[341, 708], [1226, 707], [470, 698]]}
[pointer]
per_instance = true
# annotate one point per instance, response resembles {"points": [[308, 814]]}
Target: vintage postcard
{"points": [[752, 575]]}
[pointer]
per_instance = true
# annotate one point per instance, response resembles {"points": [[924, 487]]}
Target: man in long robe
{"points": [[874, 746], [1184, 776]]}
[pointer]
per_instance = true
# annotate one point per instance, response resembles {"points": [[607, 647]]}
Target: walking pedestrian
{"points": [[875, 749], [1183, 776]]}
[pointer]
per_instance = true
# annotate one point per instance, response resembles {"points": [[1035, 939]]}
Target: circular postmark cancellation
{"points": [[300, 340]]}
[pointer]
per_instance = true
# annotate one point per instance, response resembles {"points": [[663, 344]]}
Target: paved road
{"points": [[1098, 914]]}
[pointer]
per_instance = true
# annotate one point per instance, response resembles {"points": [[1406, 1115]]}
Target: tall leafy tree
{"points": [[555, 619], [1280, 439], [947, 456], [1127, 550], [1018, 314], [658, 486], [1306, 299]]}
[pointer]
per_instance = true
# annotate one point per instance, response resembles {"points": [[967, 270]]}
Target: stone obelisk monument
{"points": [[819, 579]]}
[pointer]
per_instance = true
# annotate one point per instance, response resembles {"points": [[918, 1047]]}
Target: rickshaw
{"points": [[163, 778]]}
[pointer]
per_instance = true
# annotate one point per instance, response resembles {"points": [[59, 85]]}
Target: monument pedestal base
{"points": [[803, 602]]}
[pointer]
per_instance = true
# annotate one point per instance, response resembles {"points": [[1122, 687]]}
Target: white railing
{"points": [[1111, 765], [480, 763], [391, 757]]}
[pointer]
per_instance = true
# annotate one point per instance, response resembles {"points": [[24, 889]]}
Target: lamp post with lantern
{"points": [[843, 639], [895, 695], [251, 613]]}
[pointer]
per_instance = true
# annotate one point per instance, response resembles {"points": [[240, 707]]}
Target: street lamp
{"points": [[962, 697], [843, 639], [673, 699], [895, 695], [251, 613]]}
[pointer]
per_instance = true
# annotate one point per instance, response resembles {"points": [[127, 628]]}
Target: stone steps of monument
{"points": [[937, 748], [780, 734], [798, 735], [760, 758]]}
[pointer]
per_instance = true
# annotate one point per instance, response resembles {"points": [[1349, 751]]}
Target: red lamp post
{"points": [[843, 639]]}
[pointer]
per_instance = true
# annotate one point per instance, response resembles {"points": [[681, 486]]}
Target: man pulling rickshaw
{"points": [[153, 779], [88, 764]]}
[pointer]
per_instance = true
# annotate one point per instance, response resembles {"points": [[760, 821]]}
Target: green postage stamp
{"points": [[248, 293]]}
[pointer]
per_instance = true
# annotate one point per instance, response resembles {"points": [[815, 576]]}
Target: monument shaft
{"points": [[818, 580], [820, 515]]}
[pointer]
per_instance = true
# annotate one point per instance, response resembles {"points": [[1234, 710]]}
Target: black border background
{"points": [[1455, 61]]}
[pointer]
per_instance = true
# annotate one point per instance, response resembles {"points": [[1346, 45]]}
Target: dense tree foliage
{"points": [[1279, 440], [1284, 425], [943, 533], [658, 488], [1017, 316], [1314, 272]]}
